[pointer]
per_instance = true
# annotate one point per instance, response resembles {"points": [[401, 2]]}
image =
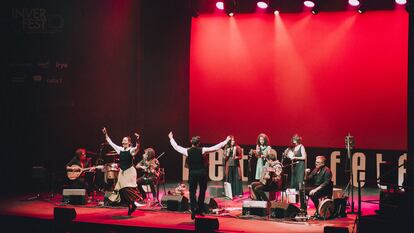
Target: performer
{"points": [[126, 186], [76, 178], [197, 170], [150, 166], [233, 155], [297, 154], [319, 182], [271, 178], [261, 152]]}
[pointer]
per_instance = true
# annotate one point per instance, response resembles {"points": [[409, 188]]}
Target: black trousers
{"points": [[197, 177], [146, 181], [315, 197], [259, 190]]}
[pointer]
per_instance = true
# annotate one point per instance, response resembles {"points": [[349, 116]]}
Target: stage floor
{"points": [[147, 217]]}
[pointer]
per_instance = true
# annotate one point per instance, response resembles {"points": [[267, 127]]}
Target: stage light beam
{"points": [[220, 5]]}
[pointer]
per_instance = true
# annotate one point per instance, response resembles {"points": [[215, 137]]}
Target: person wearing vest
{"points": [[299, 159], [126, 185], [198, 172]]}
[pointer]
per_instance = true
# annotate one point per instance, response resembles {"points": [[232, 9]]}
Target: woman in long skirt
{"points": [[126, 185]]}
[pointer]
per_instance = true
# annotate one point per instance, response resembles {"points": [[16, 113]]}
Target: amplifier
{"points": [[74, 196], [259, 208]]}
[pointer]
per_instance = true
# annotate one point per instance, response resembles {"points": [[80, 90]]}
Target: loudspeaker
{"points": [[206, 224], [210, 204], [74, 196], [64, 214], [393, 203], [329, 229], [283, 210], [340, 207], [259, 208], [389, 174], [175, 202]]}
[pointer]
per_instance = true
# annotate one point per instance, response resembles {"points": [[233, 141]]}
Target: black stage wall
{"points": [[72, 67]]}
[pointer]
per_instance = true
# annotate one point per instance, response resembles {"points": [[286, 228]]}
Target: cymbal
{"points": [[111, 153]]}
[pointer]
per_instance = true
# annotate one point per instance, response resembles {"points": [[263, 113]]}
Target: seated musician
{"points": [[74, 170], [318, 182], [150, 167], [271, 178]]}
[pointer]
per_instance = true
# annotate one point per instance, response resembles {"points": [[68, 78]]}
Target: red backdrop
{"points": [[319, 76]]}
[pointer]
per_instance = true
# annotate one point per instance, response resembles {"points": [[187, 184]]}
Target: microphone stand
{"points": [[349, 143]]}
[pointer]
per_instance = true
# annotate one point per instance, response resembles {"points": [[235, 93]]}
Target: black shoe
{"points": [[130, 210], [201, 213], [193, 214]]}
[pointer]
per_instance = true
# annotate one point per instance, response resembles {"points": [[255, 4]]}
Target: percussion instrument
{"points": [[111, 171], [326, 209]]}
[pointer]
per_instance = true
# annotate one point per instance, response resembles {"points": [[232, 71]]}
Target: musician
{"points": [[233, 154], [298, 158], [126, 185], [319, 181], [78, 162], [271, 178], [262, 150], [198, 172], [150, 166]]}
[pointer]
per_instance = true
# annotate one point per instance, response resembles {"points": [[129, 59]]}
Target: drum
{"points": [[111, 171], [326, 209]]}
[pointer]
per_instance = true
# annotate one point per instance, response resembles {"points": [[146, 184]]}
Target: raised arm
{"points": [[135, 149], [216, 147], [112, 144], [176, 147]]}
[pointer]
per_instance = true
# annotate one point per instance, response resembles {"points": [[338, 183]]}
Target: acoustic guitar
{"points": [[75, 171]]}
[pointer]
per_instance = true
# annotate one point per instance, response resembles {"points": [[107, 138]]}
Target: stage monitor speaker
{"points": [[330, 229], [74, 196], [283, 210], [64, 214], [388, 174], [175, 202], [259, 208], [340, 207], [206, 224], [210, 204]]}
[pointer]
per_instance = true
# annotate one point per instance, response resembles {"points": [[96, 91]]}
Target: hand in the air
{"points": [[104, 131], [170, 135], [228, 138], [136, 135]]}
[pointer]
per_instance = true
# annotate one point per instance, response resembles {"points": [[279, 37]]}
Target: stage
{"points": [[22, 215]]}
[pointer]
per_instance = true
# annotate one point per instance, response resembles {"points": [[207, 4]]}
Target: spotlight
{"points": [[309, 4], [361, 10], [276, 12], [262, 4], [220, 5], [315, 9], [230, 7], [401, 2], [353, 2]]}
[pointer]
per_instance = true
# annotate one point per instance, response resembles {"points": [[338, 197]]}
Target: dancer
{"points": [[197, 170], [126, 186]]}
